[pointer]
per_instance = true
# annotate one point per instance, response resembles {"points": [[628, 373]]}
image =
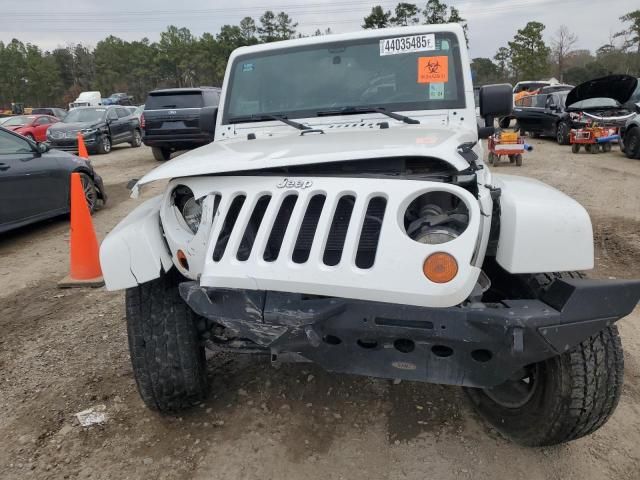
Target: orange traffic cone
{"points": [[82, 148], [85, 266]]}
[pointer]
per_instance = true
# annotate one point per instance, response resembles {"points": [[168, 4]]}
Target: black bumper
{"points": [[480, 345], [177, 141]]}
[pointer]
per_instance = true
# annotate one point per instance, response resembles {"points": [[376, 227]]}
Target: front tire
{"points": [[562, 133], [136, 140], [567, 397], [104, 145], [632, 143], [167, 356]]}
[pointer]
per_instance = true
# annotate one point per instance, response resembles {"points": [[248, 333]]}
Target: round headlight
{"points": [[434, 235], [187, 207], [192, 214]]}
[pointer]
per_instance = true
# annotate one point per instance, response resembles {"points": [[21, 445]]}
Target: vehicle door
{"points": [[115, 126], [30, 183], [40, 127], [125, 118], [530, 113], [552, 109]]}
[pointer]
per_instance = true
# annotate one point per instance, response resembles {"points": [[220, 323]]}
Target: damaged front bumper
{"points": [[477, 345]]}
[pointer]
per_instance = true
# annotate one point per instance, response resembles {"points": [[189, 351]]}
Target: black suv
{"points": [[179, 119], [101, 128]]}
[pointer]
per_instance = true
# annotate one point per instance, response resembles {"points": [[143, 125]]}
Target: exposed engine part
{"points": [[436, 217]]}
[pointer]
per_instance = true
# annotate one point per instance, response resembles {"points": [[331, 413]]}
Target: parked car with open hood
{"points": [[101, 128], [344, 215], [554, 114], [35, 181], [34, 127]]}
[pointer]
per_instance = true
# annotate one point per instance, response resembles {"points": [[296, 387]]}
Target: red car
{"points": [[31, 126]]}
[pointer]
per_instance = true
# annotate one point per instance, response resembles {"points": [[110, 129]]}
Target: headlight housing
{"points": [[189, 209], [88, 131]]}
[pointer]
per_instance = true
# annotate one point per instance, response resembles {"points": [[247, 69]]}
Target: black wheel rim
{"points": [[516, 392], [89, 192], [560, 134]]}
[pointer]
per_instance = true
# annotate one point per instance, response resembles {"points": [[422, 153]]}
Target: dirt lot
{"points": [[62, 351]]}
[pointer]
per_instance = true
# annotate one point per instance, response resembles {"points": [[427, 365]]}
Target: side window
{"points": [[12, 144], [112, 115], [122, 112], [550, 102], [42, 121]]}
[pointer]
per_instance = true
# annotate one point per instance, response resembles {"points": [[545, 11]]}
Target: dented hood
{"points": [[617, 87], [288, 150]]}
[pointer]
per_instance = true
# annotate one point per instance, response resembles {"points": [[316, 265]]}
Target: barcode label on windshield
{"points": [[409, 44]]}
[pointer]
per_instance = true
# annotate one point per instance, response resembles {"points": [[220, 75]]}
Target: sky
{"points": [[492, 23]]}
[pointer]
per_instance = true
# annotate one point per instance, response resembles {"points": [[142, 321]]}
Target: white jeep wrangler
{"points": [[344, 216]]}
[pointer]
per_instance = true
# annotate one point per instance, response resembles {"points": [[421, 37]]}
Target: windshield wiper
{"points": [[355, 110], [266, 116]]}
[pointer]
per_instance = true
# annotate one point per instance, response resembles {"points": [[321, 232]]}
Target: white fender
{"points": [[134, 252], [541, 228]]}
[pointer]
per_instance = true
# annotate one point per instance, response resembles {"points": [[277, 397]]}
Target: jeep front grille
{"points": [[334, 236], [367, 222]]}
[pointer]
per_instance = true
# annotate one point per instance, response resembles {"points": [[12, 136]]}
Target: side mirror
{"points": [[208, 116], [495, 101], [43, 147]]}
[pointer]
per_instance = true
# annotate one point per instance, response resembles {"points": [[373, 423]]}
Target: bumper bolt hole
{"points": [[442, 351], [332, 340], [481, 355], [367, 344], [404, 345]]}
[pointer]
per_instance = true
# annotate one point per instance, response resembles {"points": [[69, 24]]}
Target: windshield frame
{"points": [[95, 109], [458, 71]]}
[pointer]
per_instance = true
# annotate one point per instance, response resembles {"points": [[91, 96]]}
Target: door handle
{"points": [[4, 166]]}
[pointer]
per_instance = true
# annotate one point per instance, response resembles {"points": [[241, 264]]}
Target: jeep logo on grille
{"points": [[301, 184]]}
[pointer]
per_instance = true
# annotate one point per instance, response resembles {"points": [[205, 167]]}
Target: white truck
{"points": [[87, 99], [344, 216]]}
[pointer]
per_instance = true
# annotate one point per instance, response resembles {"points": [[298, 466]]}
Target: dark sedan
{"points": [[101, 128], [35, 181]]}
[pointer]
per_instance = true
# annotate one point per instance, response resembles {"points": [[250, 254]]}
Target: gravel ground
{"points": [[62, 351]]}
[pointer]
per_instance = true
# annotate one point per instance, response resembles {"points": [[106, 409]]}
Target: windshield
{"points": [[85, 115], [415, 72], [17, 121]]}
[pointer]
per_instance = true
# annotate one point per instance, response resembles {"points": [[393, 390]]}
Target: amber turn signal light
{"points": [[440, 267], [182, 258]]}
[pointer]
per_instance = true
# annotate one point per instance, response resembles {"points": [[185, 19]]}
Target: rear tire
{"points": [[167, 356], [575, 148], [161, 154], [571, 395], [518, 160], [632, 143]]}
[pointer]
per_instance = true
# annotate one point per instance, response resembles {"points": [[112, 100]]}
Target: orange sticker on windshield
{"points": [[433, 69]]}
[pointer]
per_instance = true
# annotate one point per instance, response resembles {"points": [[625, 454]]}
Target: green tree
{"points": [[529, 54], [405, 14], [248, 30], [503, 62], [176, 56], [268, 29], [435, 12], [378, 18], [484, 71], [631, 35], [285, 27]]}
